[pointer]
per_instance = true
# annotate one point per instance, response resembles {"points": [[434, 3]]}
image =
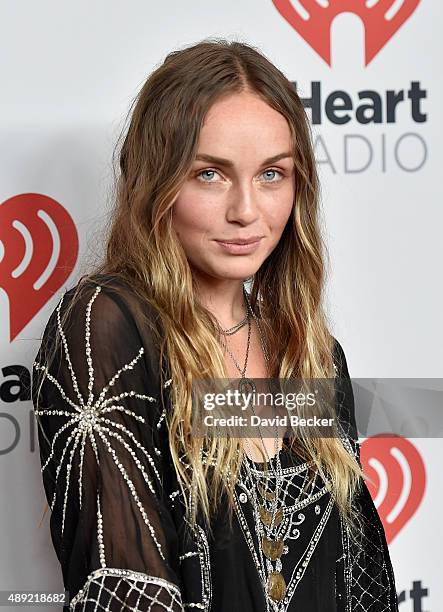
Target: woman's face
{"points": [[241, 187]]}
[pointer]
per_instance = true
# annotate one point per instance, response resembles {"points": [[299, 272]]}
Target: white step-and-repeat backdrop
{"points": [[370, 74]]}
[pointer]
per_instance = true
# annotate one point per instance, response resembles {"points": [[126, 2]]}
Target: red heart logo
{"points": [[313, 21], [38, 251], [398, 477]]}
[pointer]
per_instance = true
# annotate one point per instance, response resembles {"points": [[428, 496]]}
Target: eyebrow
{"points": [[221, 161]]}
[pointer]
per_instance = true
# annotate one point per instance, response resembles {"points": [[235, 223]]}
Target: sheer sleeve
{"points": [[103, 447], [364, 576]]}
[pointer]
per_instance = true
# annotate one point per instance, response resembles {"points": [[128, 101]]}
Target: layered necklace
{"points": [[268, 507]]}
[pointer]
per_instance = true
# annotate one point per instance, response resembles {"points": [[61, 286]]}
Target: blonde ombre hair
{"points": [[155, 158]]}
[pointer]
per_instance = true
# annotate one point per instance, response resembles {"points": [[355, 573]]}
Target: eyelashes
{"points": [[212, 170]]}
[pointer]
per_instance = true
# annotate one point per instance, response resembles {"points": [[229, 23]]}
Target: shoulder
{"points": [[112, 302], [111, 288], [344, 392], [102, 319], [339, 359], [89, 306]]}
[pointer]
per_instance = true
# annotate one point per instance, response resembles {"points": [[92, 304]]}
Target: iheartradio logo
{"points": [[312, 19], [38, 251], [397, 470]]}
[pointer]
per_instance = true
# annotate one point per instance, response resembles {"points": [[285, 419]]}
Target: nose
{"points": [[243, 205]]}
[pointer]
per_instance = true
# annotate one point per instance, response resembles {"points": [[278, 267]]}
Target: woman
{"points": [[217, 186]]}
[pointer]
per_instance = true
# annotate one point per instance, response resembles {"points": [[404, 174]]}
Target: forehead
{"points": [[244, 122]]}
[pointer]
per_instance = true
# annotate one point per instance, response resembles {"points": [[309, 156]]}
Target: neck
{"points": [[223, 298]]}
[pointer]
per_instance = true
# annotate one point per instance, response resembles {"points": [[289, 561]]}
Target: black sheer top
{"points": [[117, 512]]}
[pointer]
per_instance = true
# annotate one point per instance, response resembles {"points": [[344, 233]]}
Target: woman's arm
{"points": [[367, 566], [102, 448]]}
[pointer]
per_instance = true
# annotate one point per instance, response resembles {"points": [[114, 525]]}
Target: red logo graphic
{"points": [[398, 472], [312, 19], [38, 250]]}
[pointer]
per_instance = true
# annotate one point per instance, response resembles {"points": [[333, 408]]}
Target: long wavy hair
{"points": [[156, 152]]}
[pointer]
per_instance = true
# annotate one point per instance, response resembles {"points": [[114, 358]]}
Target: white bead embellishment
{"points": [[91, 419], [152, 591]]}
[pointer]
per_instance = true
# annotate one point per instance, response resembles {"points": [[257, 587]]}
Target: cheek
{"points": [[285, 212], [281, 211], [192, 215]]}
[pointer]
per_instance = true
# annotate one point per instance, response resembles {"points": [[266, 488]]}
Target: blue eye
{"points": [[200, 174], [274, 171]]}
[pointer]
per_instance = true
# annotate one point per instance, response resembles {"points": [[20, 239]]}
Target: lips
{"points": [[241, 246], [249, 240]]}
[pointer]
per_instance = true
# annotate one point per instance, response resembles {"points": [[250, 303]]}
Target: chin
{"points": [[238, 268], [235, 272]]}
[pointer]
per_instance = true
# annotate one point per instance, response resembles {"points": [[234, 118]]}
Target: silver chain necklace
{"points": [[241, 370], [235, 328]]}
